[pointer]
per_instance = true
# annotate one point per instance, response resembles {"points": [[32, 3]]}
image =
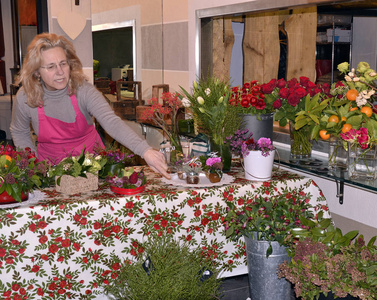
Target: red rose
{"points": [[85, 260], [77, 217], [76, 246], [205, 221], [66, 243], [292, 82], [157, 217], [95, 257], [300, 92], [125, 231], [198, 200], [53, 248], [83, 221], [61, 291], [35, 269], [129, 205], [15, 287], [32, 227], [42, 224], [304, 81], [190, 202], [197, 213], [267, 88], [2, 252], [283, 93], [97, 225], [293, 100], [116, 229], [63, 284], [52, 286], [44, 257], [40, 292], [156, 226], [107, 232], [277, 104], [15, 242], [260, 104], [22, 291], [189, 238], [281, 83], [43, 239], [164, 223]]}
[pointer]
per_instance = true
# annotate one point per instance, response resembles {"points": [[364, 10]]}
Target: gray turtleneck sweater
{"points": [[57, 104]]}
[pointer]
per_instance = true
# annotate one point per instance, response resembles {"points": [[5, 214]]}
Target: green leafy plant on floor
{"points": [[324, 260], [167, 270]]}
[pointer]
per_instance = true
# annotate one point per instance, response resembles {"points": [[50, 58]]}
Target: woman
{"points": [[60, 105]]}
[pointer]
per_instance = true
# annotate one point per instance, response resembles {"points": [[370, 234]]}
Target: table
{"points": [[60, 246]]}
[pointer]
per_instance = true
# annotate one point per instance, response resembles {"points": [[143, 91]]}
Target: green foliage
{"points": [[213, 114], [174, 273], [324, 260]]}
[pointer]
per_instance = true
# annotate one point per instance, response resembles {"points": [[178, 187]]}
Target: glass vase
{"points": [[223, 151], [338, 154], [301, 143], [362, 163]]}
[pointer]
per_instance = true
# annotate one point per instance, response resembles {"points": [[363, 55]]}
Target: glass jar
{"points": [[192, 178]]}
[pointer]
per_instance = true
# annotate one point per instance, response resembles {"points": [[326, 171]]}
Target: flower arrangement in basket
{"points": [[250, 100], [20, 173], [76, 174], [127, 181]]}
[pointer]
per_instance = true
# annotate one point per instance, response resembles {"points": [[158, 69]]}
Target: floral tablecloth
{"points": [[56, 246]]}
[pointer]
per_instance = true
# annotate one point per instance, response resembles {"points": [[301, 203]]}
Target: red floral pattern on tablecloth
{"points": [[67, 247]]}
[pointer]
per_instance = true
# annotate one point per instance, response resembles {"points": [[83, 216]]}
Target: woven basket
{"points": [[74, 185]]}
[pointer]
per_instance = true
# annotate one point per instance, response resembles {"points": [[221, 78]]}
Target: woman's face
{"points": [[54, 70]]}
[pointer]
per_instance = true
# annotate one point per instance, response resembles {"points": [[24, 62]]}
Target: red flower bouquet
{"points": [[250, 100], [287, 96]]}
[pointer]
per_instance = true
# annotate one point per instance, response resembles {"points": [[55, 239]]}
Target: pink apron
{"points": [[58, 139]]}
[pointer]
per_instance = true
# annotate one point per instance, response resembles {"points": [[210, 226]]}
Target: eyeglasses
{"points": [[53, 67]]}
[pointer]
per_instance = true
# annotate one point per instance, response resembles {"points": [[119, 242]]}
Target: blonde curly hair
{"points": [[29, 75]]}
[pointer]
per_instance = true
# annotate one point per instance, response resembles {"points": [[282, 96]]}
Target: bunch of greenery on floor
{"points": [[325, 261], [167, 270]]}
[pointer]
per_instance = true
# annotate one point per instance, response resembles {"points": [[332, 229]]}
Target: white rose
{"points": [[186, 102], [207, 91]]}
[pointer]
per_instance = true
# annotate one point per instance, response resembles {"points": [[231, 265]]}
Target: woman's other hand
{"points": [[156, 160]]}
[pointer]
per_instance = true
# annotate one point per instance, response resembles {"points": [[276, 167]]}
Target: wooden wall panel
{"points": [[301, 28], [261, 47], [223, 40]]}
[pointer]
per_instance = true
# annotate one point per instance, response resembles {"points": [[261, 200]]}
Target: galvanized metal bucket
{"points": [[263, 280], [259, 128]]}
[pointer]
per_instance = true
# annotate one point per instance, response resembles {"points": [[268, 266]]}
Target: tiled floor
{"points": [[235, 288]]}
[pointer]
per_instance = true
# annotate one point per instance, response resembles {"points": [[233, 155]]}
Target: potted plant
{"points": [[266, 223], [213, 115], [127, 181], [165, 269], [256, 111], [76, 174], [213, 167], [258, 156], [325, 262], [20, 173]]}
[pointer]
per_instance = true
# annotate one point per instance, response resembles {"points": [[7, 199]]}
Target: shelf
{"points": [[318, 166]]}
